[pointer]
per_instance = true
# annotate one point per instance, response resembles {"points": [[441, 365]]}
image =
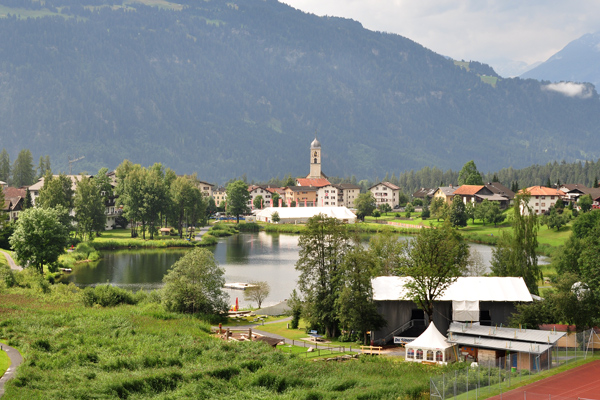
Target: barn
{"points": [[488, 301]]}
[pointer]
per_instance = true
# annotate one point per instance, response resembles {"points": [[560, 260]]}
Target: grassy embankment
{"points": [[142, 351]]}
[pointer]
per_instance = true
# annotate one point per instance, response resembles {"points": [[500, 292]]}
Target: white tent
{"points": [[431, 346], [300, 215]]}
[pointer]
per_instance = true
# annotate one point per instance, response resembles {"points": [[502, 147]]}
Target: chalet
{"points": [[424, 193], [473, 193], [499, 189], [386, 193], [14, 200], [256, 191]]}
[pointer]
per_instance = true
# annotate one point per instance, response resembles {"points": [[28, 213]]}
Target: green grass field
{"points": [[142, 351]]}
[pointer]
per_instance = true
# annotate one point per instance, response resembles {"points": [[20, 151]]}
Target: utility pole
{"points": [[71, 162]]}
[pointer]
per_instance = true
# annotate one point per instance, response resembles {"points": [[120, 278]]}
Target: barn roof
{"points": [[477, 288]]}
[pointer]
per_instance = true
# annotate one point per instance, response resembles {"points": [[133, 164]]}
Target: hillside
{"points": [[226, 88], [579, 61]]}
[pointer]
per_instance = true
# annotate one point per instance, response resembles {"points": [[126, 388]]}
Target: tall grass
{"points": [[141, 351]]}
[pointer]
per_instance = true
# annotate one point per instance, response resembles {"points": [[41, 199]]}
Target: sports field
{"points": [[579, 383]]}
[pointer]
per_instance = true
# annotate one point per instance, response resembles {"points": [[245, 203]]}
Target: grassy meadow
{"points": [[141, 351]]}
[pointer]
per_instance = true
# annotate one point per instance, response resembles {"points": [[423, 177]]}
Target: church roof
{"points": [[316, 182], [315, 144]]}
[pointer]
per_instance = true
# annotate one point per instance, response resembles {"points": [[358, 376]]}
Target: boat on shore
{"points": [[238, 285]]}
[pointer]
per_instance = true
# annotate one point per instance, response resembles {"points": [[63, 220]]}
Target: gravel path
{"points": [[16, 359], [11, 262]]}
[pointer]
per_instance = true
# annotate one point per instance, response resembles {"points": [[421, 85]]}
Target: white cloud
{"points": [[570, 89], [481, 30]]}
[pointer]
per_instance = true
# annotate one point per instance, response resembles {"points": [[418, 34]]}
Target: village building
{"points": [[446, 193], [220, 196], [424, 193], [256, 191], [542, 198], [206, 188], [304, 196], [499, 189], [14, 199], [329, 196], [349, 193], [386, 193], [316, 177], [489, 301], [528, 349]]}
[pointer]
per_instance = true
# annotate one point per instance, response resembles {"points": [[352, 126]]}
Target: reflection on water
{"points": [[262, 256]]}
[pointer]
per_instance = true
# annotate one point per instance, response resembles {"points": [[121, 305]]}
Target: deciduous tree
{"points": [[194, 284], [434, 260], [458, 215], [258, 293], [515, 255], [469, 175], [57, 191], [365, 204], [323, 245], [89, 208], [40, 237], [238, 197]]}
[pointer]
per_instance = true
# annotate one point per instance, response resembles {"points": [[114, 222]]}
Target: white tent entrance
{"points": [[430, 347]]}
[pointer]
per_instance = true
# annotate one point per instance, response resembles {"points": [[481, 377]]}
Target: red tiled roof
{"points": [[543, 191], [316, 182], [468, 189]]}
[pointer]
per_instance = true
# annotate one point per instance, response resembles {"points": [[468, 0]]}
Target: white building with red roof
{"points": [[542, 198]]}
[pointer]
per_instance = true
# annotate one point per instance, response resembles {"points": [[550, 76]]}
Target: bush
{"points": [[107, 296]]}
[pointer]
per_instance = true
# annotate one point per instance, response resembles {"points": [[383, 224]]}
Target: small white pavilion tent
{"points": [[431, 347]]}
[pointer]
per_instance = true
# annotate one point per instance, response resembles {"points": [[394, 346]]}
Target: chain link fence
{"points": [[484, 379]]}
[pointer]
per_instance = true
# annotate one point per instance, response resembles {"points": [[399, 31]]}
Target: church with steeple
{"points": [[316, 177]]}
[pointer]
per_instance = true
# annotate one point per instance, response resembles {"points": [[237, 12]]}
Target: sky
{"points": [[507, 34]]}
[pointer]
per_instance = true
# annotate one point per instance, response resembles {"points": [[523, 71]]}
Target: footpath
{"points": [[15, 360], [11, 262]]}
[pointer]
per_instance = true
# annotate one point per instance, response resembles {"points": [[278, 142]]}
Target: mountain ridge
{"points": [[226, 89]]}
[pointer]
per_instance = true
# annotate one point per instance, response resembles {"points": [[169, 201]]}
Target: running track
{"points": [[583, 381]]}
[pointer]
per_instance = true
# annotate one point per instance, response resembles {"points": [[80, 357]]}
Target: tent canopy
{"points": [[430, 339]]}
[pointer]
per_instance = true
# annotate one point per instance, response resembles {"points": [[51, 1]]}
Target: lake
{"points": [[245, 257]]}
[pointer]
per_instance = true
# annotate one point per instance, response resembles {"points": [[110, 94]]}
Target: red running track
{"points": [[581, 382]]}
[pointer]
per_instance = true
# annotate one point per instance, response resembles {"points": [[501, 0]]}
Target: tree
{"points": [[409, 209], [155, 194], [476, 266], [470, 211], [323, 245], [89, 208], [4, 166], [28, 202], [376, 214], [23, 173], [595, 184], [289, 181], [258, 202], [585, 203], [434, 260], [355, 306], [275, 198], [437, 208], [425, 213], [385, 208], [40, 237], [458, 215], [181, 198], [556, 220], [481, 210], [258, 293], [275, 217], [469, 175], [238, 197], [515, 254], [3, 215], [194, 284], [384, 249], [365, 204], [130, 181], [494, 215], [296, 305], [42, 168], [57, 191]]}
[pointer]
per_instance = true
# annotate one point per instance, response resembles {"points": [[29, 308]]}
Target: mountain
{"points": [[579, 61], [226, 88]]}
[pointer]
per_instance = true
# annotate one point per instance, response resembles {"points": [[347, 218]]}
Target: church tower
{"points": [[315, 160]]}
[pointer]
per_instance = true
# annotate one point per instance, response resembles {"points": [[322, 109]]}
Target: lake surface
{"points": [[261, 256]]}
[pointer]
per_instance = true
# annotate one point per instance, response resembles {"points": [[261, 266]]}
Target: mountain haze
{"points": [[227, 88], [578, 61]]}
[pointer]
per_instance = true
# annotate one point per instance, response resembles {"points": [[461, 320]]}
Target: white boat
{"points": [[238, 285]]}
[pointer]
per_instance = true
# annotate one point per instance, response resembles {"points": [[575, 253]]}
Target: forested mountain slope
{"points": [[227, 88]]}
